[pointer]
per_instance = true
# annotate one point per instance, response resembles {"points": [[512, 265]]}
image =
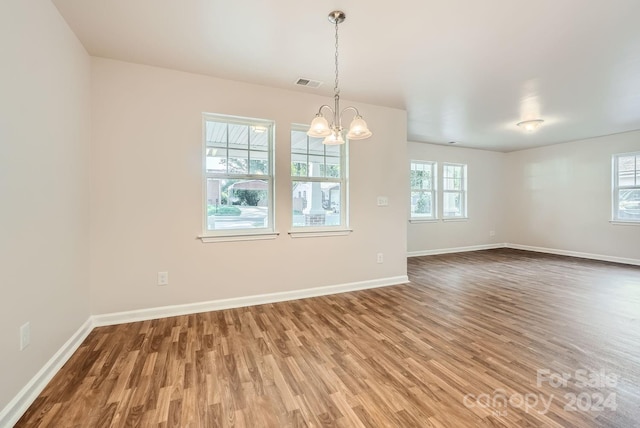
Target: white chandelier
{"points": [[333, 133]]}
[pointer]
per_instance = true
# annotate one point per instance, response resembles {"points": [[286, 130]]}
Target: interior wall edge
{"points": [[14, 410]]}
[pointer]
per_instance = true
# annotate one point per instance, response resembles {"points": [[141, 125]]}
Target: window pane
{"points": [[332, 167], [258, 166], [626, 171], [216, 134], [316, 166], [416, 179], [629, 204], [216, 160], [452, 171], [333, 150], [298, 165], [421, 179], [238, 136], [258, 162], [452, 184], [448, 171], [428, 174], [316, 204], [237, 204], [259, 137], [452, 204], [298, 142], [316, 147], [626, 163], [421, 204], [238, 162]]}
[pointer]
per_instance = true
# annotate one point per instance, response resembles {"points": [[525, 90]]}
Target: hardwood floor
{"points": [[469, 330]]}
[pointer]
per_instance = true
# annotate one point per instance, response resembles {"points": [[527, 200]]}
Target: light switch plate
{"points": [[383, 201]]}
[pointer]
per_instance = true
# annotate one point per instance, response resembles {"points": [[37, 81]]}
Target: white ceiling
{"points": [[465, 71]]}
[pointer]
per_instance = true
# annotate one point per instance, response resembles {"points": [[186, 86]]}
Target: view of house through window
{"points": [[423, 190], [318, 181], [626, 187], [238, 174], [454, 191]]}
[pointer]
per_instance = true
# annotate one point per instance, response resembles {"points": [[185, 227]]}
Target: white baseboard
{"points": [[591, 256], [239, 302], [21, 402], [27, 395], [601, 257], [455, 250]]}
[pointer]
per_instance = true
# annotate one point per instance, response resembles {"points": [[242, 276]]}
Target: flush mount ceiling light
{"points": [[530, 125], [333, 133], [259, 129]]}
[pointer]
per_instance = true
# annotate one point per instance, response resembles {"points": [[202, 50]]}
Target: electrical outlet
{"points": [[492, 233], [163, 278], [380, 258], [25, 335]]}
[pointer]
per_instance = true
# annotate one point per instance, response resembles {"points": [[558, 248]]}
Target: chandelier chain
{"points": [[335, 88]]}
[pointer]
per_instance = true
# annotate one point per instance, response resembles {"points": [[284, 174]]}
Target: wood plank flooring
{"points": [[460, 346]]}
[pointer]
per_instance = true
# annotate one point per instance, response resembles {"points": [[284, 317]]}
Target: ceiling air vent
{"points": [[308, 82]]}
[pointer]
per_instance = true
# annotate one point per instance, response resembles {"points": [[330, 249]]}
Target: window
{"points": [[238, 175], [423, 190], [318, 182], [454, 191], [626, 187]]}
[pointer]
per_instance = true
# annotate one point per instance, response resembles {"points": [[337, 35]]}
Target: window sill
{"points": [[319, 233], [456, 219], [424, 220], [624, 222], [239, 237]]}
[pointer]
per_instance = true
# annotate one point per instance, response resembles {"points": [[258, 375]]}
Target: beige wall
{"points": [[44, 187], [560, 197], [554, 197], [486, 208], [147, 194], [143, 167]]}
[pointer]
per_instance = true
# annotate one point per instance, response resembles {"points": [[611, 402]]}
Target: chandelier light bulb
{"points": [[334, 139], [358, 130], [319, 127]]}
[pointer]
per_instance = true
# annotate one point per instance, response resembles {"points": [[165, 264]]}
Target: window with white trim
{"points": [[238, 178], [454, 191], [626, 187], [423, 190], [318, 183]]}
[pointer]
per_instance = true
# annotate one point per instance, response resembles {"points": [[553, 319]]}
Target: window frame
{"points": [[433, 191], [343, 181], [463, 192], [615, 186], [266, 232]]}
